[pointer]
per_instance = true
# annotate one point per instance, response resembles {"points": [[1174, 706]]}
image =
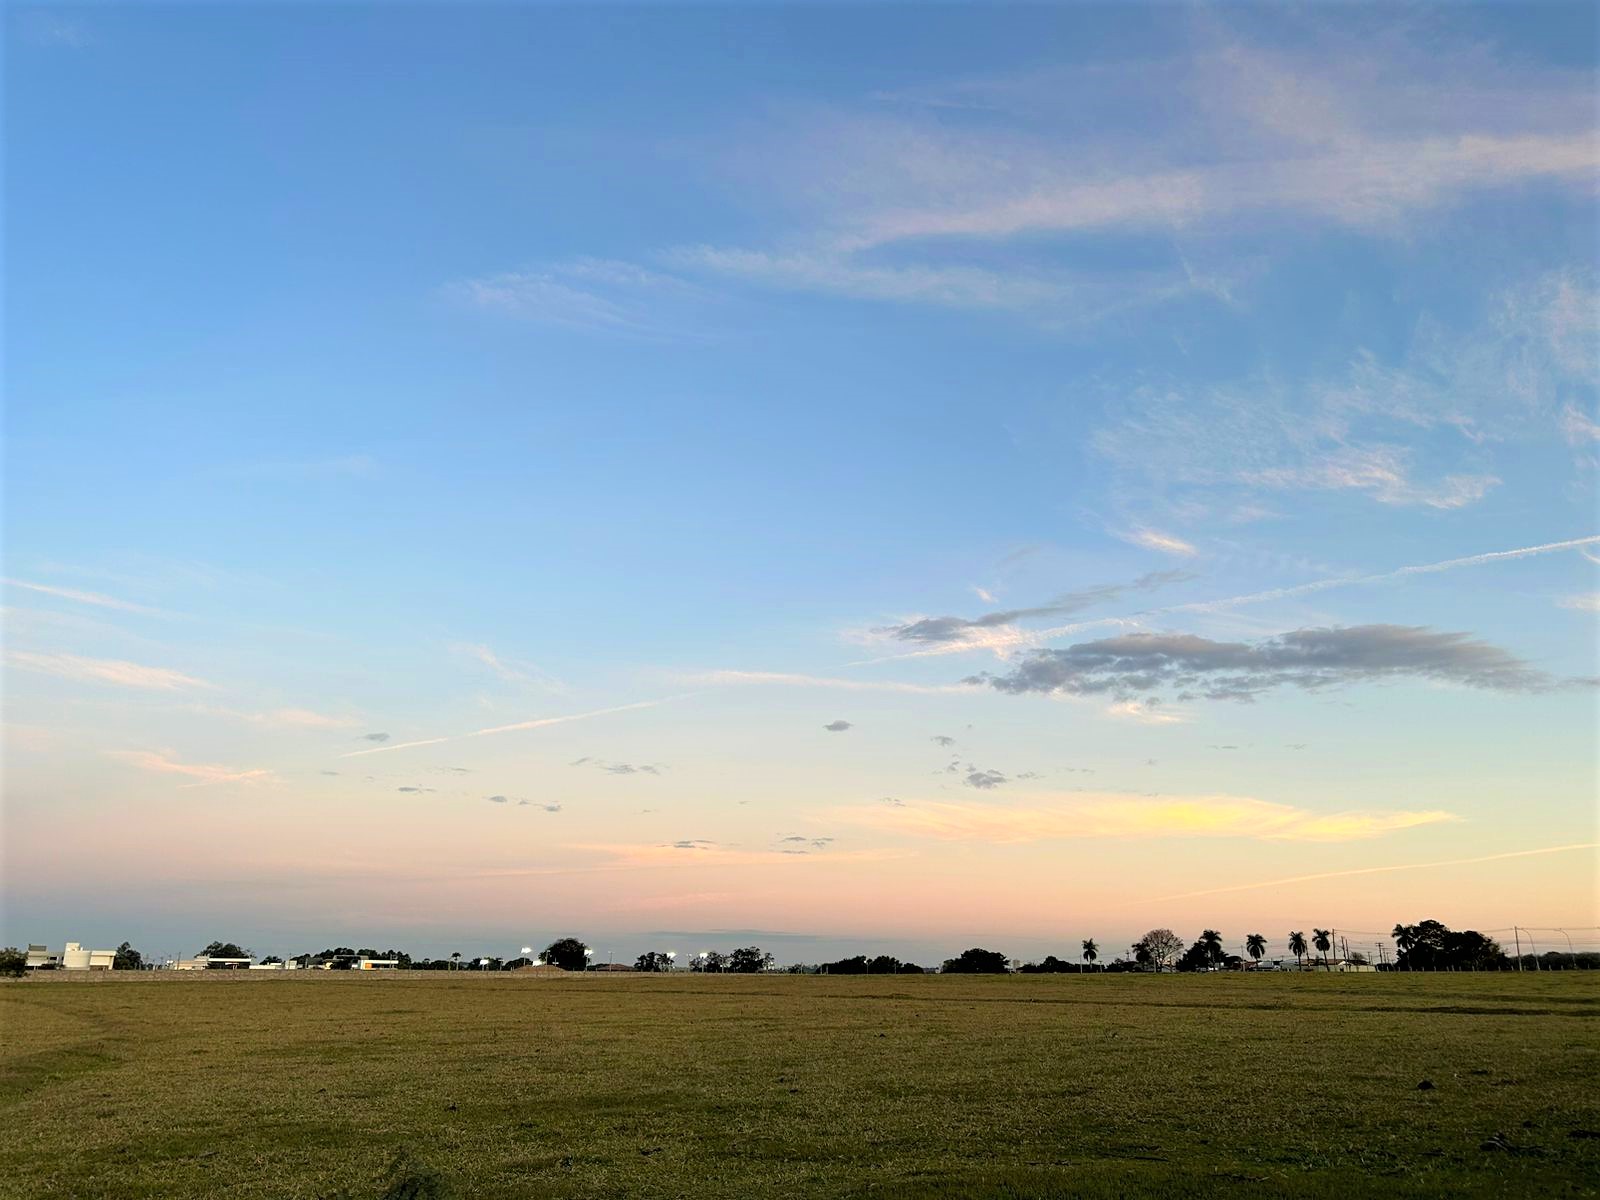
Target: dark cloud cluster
{"points": [[414, 790], [1194, 667], [837, 726], [374, 737], [955, 629], [985, 780], [693, 844], [940, 739]]}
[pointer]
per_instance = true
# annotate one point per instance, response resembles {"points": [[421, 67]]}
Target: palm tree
{"points": [[1212, 941], [1322, 939], [1297, 947], [1405, 940], [1256, 945], [1090, 951], [455, 960]]}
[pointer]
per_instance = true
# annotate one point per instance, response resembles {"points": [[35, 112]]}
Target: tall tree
{"points": [[1163, 947], [127, 959], [1405, 939], [1322, 939], [1297, 947], [1212, 941], [1256, 945], [1091, 952]]}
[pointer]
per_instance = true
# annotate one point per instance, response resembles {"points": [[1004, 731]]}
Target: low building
{"points": [[72, 957], [377, 964]]}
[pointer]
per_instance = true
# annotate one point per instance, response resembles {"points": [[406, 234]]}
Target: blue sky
{"points": [[657, 387]]}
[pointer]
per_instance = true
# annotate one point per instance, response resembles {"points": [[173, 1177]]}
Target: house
{"points": [[377, 964], [40, 956]]}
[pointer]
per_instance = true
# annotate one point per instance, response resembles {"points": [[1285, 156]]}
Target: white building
{"points": [[73, 957]]}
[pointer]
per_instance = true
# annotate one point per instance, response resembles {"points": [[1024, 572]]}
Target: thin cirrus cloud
{"points": [[203, 773], [538, 723], [77, 596], [1582, 602], [1010, 638], [115, 672], [1154, 539], [1117, 815], [510, 671], [1195, 667], [784, 679], [961, 629]]}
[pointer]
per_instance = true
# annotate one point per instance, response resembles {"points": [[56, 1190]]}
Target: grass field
{"points": [[431, 1085]]}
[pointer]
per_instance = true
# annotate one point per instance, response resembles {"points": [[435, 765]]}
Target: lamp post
{"points": [[671, 955], [588, 955]]}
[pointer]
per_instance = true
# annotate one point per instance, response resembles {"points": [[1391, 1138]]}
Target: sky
{"points": [[834, 478]]}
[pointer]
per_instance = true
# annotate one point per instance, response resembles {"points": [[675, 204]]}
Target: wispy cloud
{"points": [[284, 718], [591, 295], [1154, 539], [1014, 639], [105, 670], [511, 671], [976, 629], [1354, 871], [538, 723], [204, 773], [96, 599], [1583, 602], [1117, 815], [782, 679]]}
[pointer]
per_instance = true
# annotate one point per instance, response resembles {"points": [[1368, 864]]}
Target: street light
{"points": [[671, 955], [588, 954]]}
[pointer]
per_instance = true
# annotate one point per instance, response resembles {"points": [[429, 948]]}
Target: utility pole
{"points": [[1517, 933]]}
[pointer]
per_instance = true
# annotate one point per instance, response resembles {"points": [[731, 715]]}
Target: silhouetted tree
{"points": [[1405, 937], [1212, 941], [1162, 947], [907, 968], [652, 960], [1048, 965], [1091, 952], [127, 959], [883, 964], [225, 950], [977, 962], [1322, 939], [13, 963], [749, 960], [1256, 945], [1297, 947], [566, 953], [709, 961], [1434, 946]]}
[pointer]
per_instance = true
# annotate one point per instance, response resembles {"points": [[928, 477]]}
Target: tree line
{"points": [[1425, 946]]}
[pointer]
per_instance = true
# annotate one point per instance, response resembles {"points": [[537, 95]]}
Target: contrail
{"points": [[538, 723], [1024, 638], [1448, 862]]}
